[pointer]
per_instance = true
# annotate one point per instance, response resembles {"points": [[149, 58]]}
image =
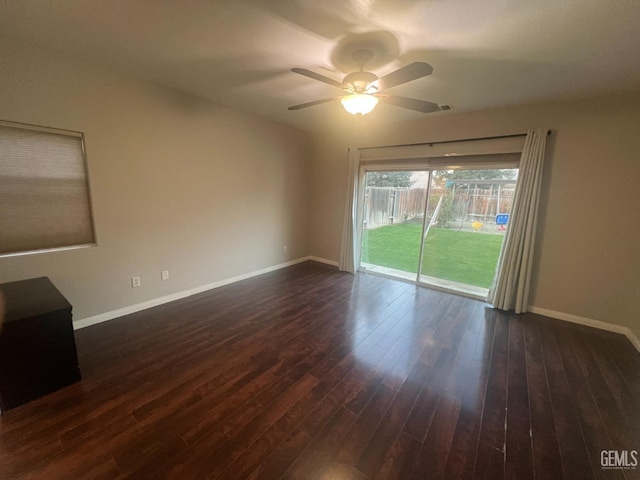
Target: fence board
{"points": [[389, 205]]}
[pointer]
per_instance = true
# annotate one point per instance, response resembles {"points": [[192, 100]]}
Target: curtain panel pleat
{"points": [[349, 248], [511, 284]]}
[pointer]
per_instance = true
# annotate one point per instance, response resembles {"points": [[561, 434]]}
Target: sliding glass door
{"points": [[440, 227], [463, 240], [392, 224]]}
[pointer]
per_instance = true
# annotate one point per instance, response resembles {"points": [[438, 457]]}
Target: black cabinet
{"points": [[37, 345]]}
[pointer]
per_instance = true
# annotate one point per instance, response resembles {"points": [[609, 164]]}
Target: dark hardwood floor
{"points": [[310, 373]]}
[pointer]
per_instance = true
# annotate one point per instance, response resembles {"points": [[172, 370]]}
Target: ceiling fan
{"points": [[364, 89]]}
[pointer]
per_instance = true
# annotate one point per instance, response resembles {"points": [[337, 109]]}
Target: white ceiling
{"points": [[238, 52]]}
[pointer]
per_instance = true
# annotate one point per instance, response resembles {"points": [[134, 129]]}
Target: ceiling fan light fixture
{"points": [[359, 103]]}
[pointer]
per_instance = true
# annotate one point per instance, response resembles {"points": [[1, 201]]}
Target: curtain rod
{"points": [[451, 141]]}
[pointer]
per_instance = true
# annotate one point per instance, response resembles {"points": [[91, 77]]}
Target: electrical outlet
{"points": [[285, 249], [135, 282], [165, 275]]}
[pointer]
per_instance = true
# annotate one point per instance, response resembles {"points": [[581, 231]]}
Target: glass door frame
{"points": [[421, 165], [389, 167]]}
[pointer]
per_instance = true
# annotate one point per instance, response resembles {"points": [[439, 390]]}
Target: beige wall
{"points": [[178, 183], [588, 248]]}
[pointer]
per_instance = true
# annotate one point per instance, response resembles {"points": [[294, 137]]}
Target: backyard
{"points": [[459, 256]]}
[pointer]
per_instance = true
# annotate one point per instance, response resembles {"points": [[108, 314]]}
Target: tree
{"points": [[493, 174], [389, 179], [442, 177], [446, 215]]}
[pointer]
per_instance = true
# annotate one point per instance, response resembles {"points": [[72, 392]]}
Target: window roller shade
{"points": [[44, 193]]}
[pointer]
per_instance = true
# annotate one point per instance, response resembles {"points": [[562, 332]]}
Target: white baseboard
{"points": [[589, 322], [106, 316], [323, 260], [103, 317]]}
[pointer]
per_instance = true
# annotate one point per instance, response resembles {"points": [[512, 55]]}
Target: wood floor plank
{"points": [[518, 447], [399, 459], [311, 373], [367, 422], [573, 451], [282, 457], [617, 389], [472, 390], [492, 432], [431, 461], [545, 450], [348, 386], [427, 400], [371, 383], [392, 422], [217, 459], [596, 437], [311, 463], [489, 463]]}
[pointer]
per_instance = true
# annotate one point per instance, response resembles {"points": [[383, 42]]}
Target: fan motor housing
{"points": [[360, 82]]}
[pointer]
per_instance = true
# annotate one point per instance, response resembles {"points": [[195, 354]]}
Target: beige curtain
{"points": [[349, 250], [510, 288]]}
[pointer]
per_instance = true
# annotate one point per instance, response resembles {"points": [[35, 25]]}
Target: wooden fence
{"points": [[389, 205]]}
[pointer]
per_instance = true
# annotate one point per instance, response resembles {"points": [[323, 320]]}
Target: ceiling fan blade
{"points": [[405, 74], [311, 104], [317, 76], [410, 103]]}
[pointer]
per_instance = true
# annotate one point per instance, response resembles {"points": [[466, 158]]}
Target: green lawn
{"points": [[465, 257]]}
